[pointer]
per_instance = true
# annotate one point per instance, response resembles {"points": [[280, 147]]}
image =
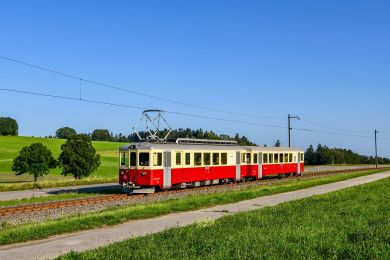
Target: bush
{"points": [[8, 126]]}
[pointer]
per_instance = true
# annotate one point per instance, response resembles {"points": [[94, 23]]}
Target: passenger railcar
{"points": [[191, 163]]}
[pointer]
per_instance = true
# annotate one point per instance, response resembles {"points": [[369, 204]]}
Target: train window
{"points": [[215, 158], [178, 158], [286, 157], [223, 158], [124, 158], [198, 159], [255, 158], [188, 159], [302, 157], [133, 159], [280, 157], [143, 159], [243, 158], [270, 157], [157, 159], [248, 158], [265, 158], [206, 158], [290, 157], [276, 158], [295, 158]]}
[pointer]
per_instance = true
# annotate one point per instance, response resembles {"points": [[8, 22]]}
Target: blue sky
{"points": [[327, 61]]}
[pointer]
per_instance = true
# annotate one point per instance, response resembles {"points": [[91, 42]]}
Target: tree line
{"points": [[326, 155], [105, 135]]}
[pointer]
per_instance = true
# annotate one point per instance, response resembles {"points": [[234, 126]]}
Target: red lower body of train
{"points": [[207, 174]]}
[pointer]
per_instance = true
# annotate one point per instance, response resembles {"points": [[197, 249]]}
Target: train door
{"points": [[207, 163], [167, 170], [248, 164], [260, 166], [248, 167], [238, 166]]}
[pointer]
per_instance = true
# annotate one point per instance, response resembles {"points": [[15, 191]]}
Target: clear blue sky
{"points": [[327, 61]]}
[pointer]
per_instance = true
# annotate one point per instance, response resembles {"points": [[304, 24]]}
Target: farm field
{"points": [[353, 223], [11, 145]]}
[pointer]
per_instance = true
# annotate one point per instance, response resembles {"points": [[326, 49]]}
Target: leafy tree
{"points": [[277, 144], [35, 159], [101, 135], [65, 132], [8, 126], [78, 156]]}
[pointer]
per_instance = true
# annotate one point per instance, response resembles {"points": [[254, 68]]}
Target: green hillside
{"points": [[11, 145]]}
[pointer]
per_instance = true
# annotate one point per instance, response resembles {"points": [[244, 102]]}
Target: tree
{"points": [[35, 159], [78, 156], [8, 126], [310, 156], [277, 144], [65, 132], [101, 135]]}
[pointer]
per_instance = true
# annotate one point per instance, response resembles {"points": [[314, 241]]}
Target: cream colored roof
{"points": [[174, 146]]}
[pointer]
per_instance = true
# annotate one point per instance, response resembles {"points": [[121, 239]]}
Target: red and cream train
{"points": [[145, 167]]}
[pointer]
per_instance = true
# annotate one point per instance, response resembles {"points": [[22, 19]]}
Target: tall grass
{"points": [[13, 234], [350, 224]]}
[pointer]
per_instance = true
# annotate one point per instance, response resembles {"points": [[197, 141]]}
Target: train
{"points": [[147, 167]]}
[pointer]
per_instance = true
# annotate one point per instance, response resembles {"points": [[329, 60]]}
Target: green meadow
{"points": [[11, 145], [33, 231], [353, 223]]}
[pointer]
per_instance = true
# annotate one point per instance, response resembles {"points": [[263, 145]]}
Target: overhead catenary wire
{"points": [[177, 113], [330, 133], [230, 113], [135, 107], [133, 91], [335, 128]]}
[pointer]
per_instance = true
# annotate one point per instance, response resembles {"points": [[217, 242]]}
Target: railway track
{"points": [[99, 199]]}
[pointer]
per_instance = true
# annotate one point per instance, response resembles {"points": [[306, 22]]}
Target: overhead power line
{"points": [[136, 107], [175, 113], [80, 79], [335, 128]]}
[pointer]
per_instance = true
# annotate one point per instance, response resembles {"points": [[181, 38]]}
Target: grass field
{"points": [[350, 224], [13, 234], [11, 145]]}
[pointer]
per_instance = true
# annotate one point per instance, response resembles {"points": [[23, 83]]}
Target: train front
{"points": [[127, 168], [135, 172]]}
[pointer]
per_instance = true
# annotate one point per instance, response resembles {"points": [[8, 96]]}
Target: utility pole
{"points": [[290, 128], [376, 151]]}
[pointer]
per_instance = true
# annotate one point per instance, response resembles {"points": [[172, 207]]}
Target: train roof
{"points": [[174, 146]]}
